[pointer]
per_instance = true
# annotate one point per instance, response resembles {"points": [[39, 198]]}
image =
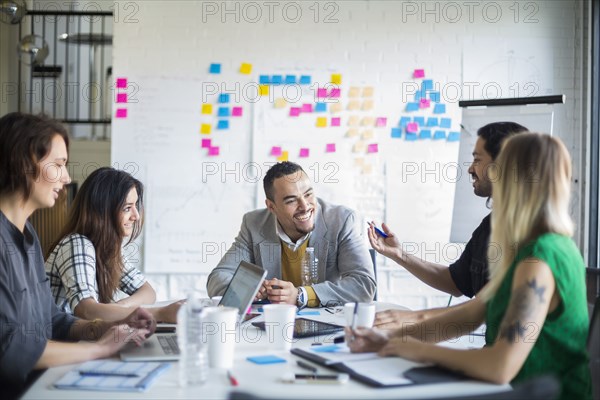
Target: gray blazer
{"points": [[345, 266]]}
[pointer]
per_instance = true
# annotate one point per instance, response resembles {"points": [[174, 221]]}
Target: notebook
{"points": [[239, 294], [110, 375]]}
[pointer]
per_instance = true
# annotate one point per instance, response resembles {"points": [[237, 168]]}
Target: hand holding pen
{"points": [[383, 240]]}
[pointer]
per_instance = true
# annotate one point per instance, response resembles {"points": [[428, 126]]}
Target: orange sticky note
{"points": [[336, 79], [353, 92], [280, 102], [283, 156], [367, 91], [246, 68], [321, 122], [354, 120], [205, 128], [336, 107], [206, 108], [353, 105], [367, 105]]}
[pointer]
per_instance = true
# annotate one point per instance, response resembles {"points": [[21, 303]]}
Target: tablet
{"points": [[306, 327]]}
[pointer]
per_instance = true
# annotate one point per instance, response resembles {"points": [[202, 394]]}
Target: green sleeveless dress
{"points": [[560, 349]]}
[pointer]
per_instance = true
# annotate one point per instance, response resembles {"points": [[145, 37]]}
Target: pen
{"points": [[109, 373], [353, 325], [232, 379], [380, 232], [339, 339], [306, 366]]}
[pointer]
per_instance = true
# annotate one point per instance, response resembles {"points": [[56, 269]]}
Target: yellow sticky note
{"points": [[353, 120], [205, 128], [367, 134], [263, 90], [353, 92], [367, 91], [367, 169], [336, 107], [359, 161], [367, 121], [284, 156], [246, 68], [367, 105], [336, 79], [206, 108], [280, 102], [352, 132], [359, 147], [321, 122], [353, 105]]}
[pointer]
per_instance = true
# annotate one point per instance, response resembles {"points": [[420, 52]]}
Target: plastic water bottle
{"points": [[193, 361], [310, 273]]}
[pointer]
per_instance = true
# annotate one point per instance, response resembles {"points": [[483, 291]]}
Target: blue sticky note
{"points": [[412, 106], [305, 79], [264, 79], [223, 124], [410, 137], [425, 134], [290, 79], [276, 79], [396, 133], [417, 97], [308, 312], [419, 120], [320, 107], [404, 121], [223, 112], [434, 96], [432, 121], [445, 123], [437, 135], [427, 84], [454, 136], [223, 98], [214, 68], [266, 359], [327, 349], [439, 109]]}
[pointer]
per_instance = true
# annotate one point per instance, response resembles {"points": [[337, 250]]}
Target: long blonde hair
{"points": [[531, 187]]}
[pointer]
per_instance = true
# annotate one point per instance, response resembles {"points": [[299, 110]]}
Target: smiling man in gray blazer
{"points": [[276, 238]]}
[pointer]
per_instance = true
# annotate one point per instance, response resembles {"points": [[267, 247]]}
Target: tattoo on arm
{"points": [[525, 300]]}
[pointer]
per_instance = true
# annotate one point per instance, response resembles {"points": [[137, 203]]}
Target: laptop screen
{"points": [[243, 287]]}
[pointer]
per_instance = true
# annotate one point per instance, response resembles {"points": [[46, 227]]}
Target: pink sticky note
{"points": [[335, 93], [121, 97], [373, 148], [307, 108], [304, 152], [213, 151], [335, 121], [412, 127], [121, 113], [321, 92], [419, 73], [330, 148], [236, 111], [424, 103], [206, 143], [276, 151], [122, 83], [294, 111], [381, 122]]}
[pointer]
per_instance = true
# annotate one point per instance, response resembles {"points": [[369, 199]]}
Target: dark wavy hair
{"points": [[25, 139], [495, 133], [277, 171], [95, 213]]}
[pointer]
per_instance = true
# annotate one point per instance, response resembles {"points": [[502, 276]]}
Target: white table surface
{"points": [[264, 380]]}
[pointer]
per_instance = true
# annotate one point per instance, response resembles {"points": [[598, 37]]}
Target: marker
{"points": [[232, 379], [306, 366], [380, 232], [109, 373]]}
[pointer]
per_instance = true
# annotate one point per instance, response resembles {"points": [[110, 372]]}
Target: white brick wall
{"points": [[374, 43]]}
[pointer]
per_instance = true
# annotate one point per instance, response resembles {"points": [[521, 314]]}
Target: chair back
{"points": [[374, 260]]}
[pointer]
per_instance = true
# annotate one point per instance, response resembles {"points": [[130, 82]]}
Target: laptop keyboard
{"points": [[169, 344]]}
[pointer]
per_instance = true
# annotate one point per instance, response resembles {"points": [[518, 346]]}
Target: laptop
{"points": [[239, 294]]}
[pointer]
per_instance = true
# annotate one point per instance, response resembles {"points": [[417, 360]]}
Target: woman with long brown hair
{"points": [[33, 331], [87, 266], [535, 303]]}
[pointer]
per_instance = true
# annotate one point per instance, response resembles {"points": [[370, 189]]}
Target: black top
{"points": [[28, 315], [470, 271]]}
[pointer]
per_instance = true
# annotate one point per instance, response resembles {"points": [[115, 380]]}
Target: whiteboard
{"points": [[469, 209]]}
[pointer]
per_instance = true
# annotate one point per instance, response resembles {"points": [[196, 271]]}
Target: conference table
{"points": [[264, 381]]}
